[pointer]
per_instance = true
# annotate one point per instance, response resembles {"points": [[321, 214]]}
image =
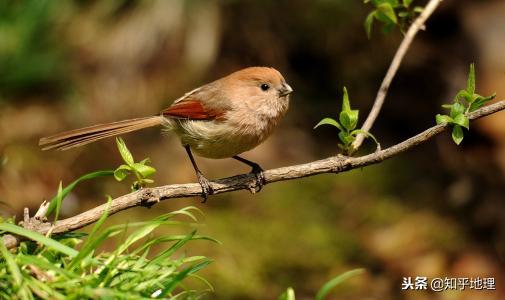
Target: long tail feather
{"points": [[83, 136]]}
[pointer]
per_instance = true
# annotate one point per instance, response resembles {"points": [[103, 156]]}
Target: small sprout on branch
{"points": [[465, 102], [141, 170], [348, 120], [391, 13]]}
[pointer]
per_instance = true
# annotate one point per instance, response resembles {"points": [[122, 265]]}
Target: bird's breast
{"points": [[237, 132]]}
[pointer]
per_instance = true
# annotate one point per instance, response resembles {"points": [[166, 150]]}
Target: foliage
{"points": [[30, 59], [70, 187], [141, 170], [347, 126], [465, 101], [391, 13], [52, 268], [56, 268], [289, 294]]}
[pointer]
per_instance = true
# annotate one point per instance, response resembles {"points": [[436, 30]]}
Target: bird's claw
{"points": [[206, 188], [260, 179]]}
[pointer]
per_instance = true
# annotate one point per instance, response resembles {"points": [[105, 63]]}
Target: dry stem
{"points": [[393, 68]]}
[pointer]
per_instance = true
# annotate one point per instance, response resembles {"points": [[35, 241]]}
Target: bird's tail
{"points": [[83, 136]]}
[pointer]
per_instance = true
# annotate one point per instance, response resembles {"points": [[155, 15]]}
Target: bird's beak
{"points": [[285, 90]]}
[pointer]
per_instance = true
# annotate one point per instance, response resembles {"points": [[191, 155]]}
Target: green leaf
{"points": [[353, 116], [122, 172], [407, 3], [289, 294], [387, 28], [480, 101], [145, 161], [345, 137], [71, 186], [457, 134], [369, 24], [441, 119], [327, 287], [349, 119], [345, 119], [35, 236], [386, 10], [457, 109], [366, 134], [328, 121], [463, 94], [394, 3], [418, 9], [470, 85], [144, 170], [462, 121], [346, 104], [123, 150]]}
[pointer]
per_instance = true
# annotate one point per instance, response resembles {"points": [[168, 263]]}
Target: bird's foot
{"points": [[260, 179], [206, 188]]}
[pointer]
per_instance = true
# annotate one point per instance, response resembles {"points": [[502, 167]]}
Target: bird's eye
{"points": [[265, 87]]}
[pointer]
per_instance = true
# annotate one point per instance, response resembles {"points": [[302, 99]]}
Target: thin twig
{"points": [[335, 164], [417, 25]]}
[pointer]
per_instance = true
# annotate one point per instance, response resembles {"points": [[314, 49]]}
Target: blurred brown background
{"points": [[436, 211]]}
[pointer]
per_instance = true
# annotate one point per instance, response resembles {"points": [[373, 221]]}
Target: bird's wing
{"points": [[203, 103], [191, 109]]}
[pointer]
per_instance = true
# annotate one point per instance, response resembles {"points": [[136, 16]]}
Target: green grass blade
{"points": [[71, 186], [11, 264], [171, 238], [89, 245], [59, 199], [172, 249], [327, 287], [171, 285], [43, 264], [35, 236], [137, 235]]}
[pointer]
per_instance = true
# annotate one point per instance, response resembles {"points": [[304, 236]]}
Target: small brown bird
{"points": [[218, 120]]}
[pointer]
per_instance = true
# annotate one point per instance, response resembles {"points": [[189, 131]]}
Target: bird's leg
{"points": [[204, 182], [256, 170]]}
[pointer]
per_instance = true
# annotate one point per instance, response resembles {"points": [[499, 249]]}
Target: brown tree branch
{"points": [[393, 68], [151, 196]]}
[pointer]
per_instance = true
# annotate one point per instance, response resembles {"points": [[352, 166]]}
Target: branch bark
{"points": [[393, 68], [334, 164]]}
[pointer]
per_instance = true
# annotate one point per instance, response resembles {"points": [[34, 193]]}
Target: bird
{"points": [[220, 119]]}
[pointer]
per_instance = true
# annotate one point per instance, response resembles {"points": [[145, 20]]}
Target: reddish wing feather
{"points": [[192, 110]]}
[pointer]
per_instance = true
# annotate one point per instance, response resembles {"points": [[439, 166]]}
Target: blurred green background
{"points": [[436, 211]]}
